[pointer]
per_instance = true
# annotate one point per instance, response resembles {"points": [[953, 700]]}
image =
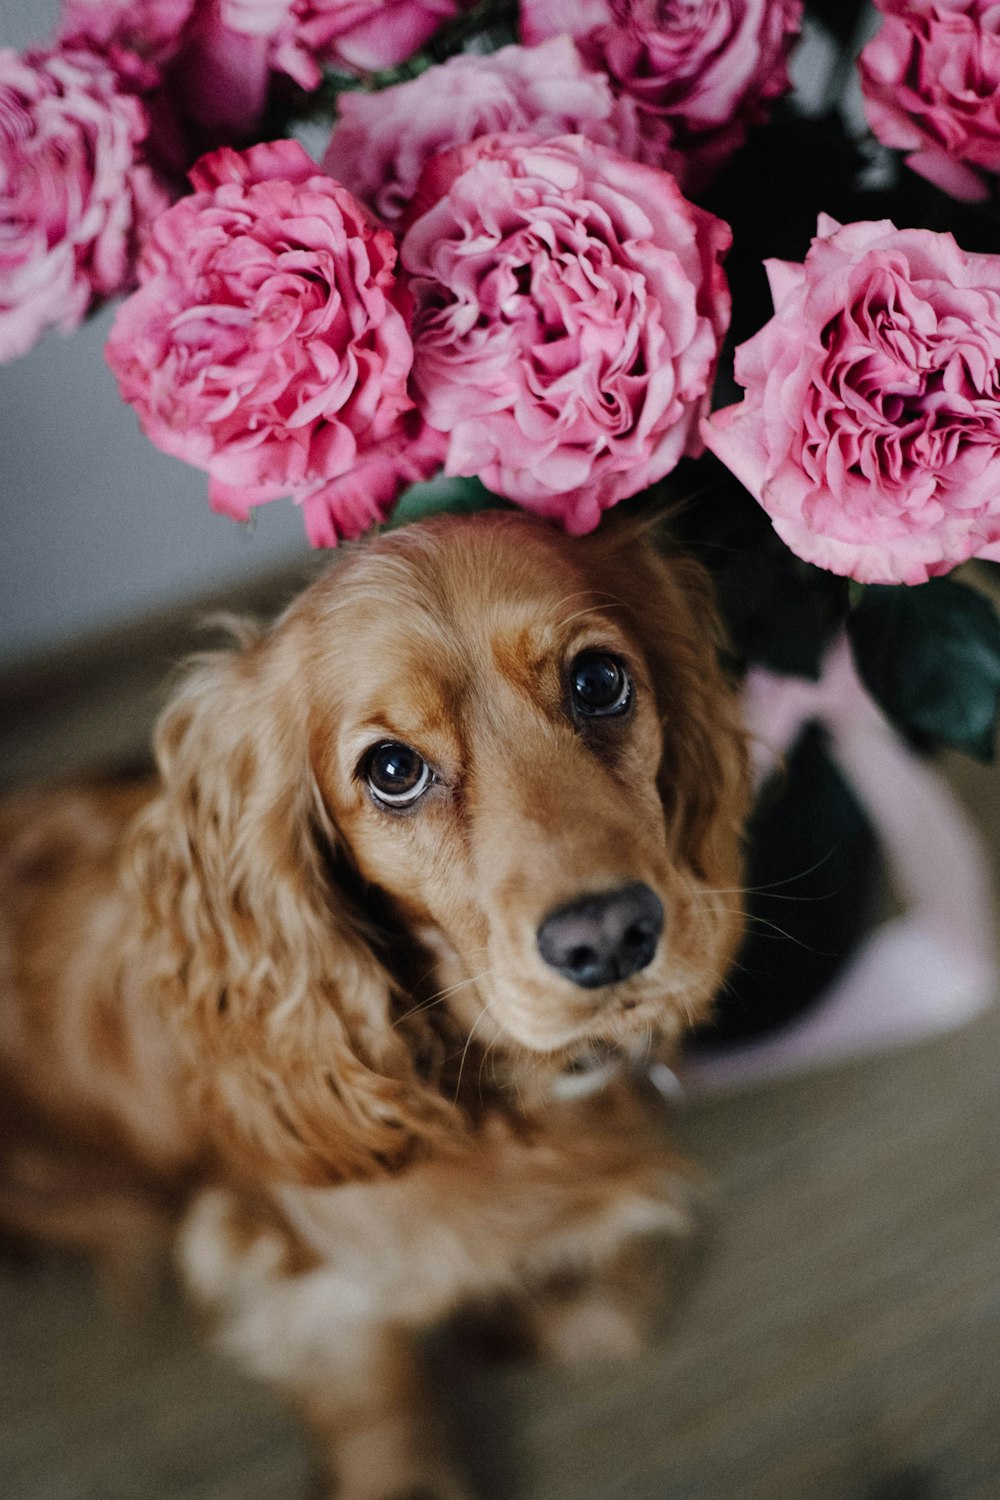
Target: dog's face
{"points": [[492, 739]]}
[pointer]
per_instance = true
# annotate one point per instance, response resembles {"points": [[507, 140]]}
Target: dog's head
{"points": [[525, 743], [516, 748]]}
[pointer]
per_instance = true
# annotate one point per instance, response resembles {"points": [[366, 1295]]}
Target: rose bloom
{"points": [[151, 28], [217, 57], [381, 140], [931, 84], [366, 35], [266, 344], [221, 53], [870, 429], [707, 70], [76, 193], [569, 309]]}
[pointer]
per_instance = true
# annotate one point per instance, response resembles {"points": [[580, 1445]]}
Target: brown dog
{"points": [[465, 819]]}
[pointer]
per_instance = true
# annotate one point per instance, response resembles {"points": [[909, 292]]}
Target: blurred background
{"points": [[836, 1329]]}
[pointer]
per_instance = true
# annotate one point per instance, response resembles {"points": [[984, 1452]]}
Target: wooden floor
{"points": [[839, 1338]]}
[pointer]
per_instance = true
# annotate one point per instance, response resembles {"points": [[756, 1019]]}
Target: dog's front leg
{"points": [[620, 1209], [369, 1414], [301, 1324]]}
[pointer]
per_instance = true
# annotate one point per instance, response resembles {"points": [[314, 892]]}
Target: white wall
{"points": [[96, 525]]}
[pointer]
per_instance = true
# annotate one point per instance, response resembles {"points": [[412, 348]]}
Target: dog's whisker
{"points": [[563, 624], [597, 600], [416, 1010], [465, 1050], [559, 604], [688, 1010], [780, 932], [764, 890], [721, 981], [590, 593], [426, 975], [482, 1063]]}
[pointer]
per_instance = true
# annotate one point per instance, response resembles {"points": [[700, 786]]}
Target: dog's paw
{"points": [[386, 1471], [428, 1491], [436, 1486], [589, 1330], [667, 1204]]}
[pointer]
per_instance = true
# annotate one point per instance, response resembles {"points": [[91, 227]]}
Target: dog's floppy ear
{"points": [[260, 964], [703, 776]]}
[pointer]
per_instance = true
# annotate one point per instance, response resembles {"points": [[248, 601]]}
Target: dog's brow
{"points": [[521, 653], [595, 601]]}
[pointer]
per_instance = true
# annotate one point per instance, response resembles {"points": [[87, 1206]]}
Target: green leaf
{"points": [[443, 496], [930, 656], [780, 612]]}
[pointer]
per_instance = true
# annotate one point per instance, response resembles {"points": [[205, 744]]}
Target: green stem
{"points": [[493, 22]]}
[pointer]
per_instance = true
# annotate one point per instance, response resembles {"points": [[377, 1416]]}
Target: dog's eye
{"points": [[396, 774], [600, 685]]}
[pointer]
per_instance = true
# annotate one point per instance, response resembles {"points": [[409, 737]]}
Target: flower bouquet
{"points": [[571, 255]]}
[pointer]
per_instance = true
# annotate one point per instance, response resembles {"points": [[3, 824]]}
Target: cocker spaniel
{"points": [[461, 826]]}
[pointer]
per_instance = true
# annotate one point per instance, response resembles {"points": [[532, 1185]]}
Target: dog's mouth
{"points": [[578, 1025], [510, 1006], [589, 1070]]}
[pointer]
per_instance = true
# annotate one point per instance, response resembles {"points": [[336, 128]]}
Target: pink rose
{"points": [[366, 494], [219, 79], [870, 429], [220, 54], [708, 71], [266, 344], [381, 141], [231, 47], [569, 309], [77, 195], [931, 82], [217, 57], [366, 35], [151, 28]]}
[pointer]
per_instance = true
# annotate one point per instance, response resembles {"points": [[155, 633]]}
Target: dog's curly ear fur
{"points": [[261, 966], [704, 775]]}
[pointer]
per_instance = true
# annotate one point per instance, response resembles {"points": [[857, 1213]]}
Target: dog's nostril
{"points": [[637, 935], [598, 940], [581, 958]]}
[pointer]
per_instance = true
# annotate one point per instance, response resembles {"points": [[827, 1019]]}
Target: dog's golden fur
{"points": [[319, 1033]]}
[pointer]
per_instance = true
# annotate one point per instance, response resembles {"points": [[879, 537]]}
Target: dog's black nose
{"points": [[600, 939]]}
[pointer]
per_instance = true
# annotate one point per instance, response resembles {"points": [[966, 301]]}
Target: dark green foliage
{"points": [[460, 497], [930, 656], [811, 879], [839, 16], [780, 612]]}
